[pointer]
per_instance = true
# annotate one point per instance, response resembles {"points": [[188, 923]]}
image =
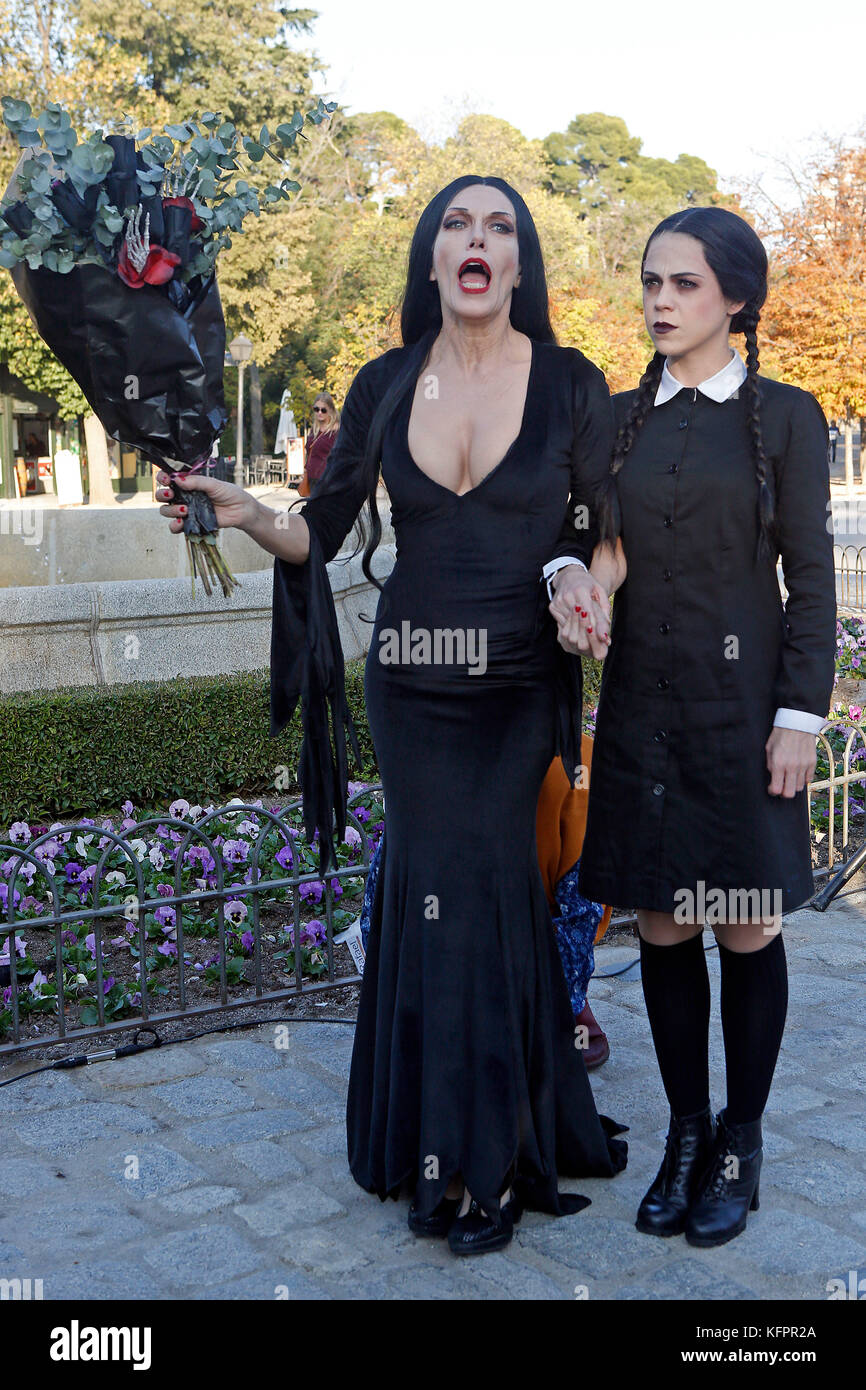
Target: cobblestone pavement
{"points": [[242, 1189]]}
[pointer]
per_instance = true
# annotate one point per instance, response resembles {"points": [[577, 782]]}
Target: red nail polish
{"points": [[576, 609], [589, 629], [183, 511]]}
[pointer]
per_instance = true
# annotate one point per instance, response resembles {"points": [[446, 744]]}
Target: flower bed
{"points": [[234, 843]]}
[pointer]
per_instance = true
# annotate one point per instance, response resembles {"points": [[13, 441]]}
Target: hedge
{"points": [[84, 751]]}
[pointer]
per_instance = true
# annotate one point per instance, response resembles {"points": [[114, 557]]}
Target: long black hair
{"points": [[735, 254], [420, 324]]}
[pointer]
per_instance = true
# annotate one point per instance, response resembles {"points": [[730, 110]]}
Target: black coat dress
{"points": [[703, 653], [464, 1058]]}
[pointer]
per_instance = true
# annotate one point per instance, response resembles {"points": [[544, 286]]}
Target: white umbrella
{"points": [[286, 429]]}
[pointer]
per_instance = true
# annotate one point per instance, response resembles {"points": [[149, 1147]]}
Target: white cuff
{"points": [[799, 719], [553, 565]]}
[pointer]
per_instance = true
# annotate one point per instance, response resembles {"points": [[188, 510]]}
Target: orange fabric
{"points": [[560, 824]]}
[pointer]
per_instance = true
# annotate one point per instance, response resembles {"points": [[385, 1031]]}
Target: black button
{"points": [[663, 683], [660, 735], [673, 468], [667, 574], [684, 424], [669, 521], [664, 629], [658, 789]]}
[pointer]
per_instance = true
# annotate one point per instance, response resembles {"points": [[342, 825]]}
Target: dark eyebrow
{"points": [[489, 214], [679, 274]]}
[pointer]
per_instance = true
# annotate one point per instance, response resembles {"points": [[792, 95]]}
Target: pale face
{"points": [[684, 308], [478, 227]]}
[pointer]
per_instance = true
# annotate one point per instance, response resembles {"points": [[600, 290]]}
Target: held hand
{"points": [[233, 506], [791, 759], [581, 608]]}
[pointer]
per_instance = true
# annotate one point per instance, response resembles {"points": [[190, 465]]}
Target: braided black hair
{"points": [[737, 258], [610, 521]]}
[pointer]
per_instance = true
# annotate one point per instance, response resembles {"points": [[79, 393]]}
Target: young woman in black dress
{"points": [[712, 695], [466, 1084]]}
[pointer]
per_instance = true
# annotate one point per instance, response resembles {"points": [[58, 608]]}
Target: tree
{"points": [[620, 194], [235, 58], [815, 317]]}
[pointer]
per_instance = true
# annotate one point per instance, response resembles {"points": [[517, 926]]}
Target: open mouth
{"points": [[474, 275], [664, 327]]}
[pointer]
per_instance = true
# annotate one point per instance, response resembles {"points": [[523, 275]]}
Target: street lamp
{"points": [[241, 350]]}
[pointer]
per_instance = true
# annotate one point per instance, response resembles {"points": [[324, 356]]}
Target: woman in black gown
{"points": [[712, 695], [465, 1078]]}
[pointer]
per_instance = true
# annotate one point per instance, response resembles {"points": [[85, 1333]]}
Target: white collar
{"points": [[720, 387]]}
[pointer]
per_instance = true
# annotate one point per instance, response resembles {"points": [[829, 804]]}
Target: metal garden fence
{"points": [[63, 926]]}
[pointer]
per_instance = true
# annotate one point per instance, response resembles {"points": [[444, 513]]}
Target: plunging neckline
{"points": [[459, 496]]}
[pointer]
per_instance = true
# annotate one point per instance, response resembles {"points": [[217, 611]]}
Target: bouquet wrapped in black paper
{"points": [[112, 244]]}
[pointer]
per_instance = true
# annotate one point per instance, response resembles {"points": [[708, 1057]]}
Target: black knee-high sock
{"points": [[676, 987], [754, 1005]]}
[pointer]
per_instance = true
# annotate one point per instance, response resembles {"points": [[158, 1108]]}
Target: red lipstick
{"points": [[478, 267]]}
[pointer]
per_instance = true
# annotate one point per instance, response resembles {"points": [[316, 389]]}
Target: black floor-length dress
{"points": [[703, 654], [464, 1059]]}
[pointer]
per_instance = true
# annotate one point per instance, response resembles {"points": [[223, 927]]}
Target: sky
{"points": [[742, 84]]}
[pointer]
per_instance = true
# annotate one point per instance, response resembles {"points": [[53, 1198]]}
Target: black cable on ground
{"points": [[110, 1054]]}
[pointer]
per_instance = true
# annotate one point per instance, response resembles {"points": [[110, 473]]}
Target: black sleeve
{"points": [[590, 460], [804, 531], [306, 654]]}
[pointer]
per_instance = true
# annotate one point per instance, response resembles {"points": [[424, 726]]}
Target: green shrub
{"points": [[84, 751]]}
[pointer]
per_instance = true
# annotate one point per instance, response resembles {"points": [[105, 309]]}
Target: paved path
{"points": [[243, 1191]]}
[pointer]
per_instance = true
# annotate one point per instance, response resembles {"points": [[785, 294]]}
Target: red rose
{"points": [[158, 268], [181, 202]]}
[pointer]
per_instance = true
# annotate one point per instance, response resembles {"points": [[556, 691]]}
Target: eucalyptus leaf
{"points": [[142, 136], [14, 110], [7, 260]]}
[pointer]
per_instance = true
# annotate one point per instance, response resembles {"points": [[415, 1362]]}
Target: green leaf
{"points": [[178, 132], [14, 110], [253, 149], [264, 136], [143, 135]]}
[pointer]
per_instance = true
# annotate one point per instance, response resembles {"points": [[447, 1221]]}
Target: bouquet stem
{"points": [[200, 532]]}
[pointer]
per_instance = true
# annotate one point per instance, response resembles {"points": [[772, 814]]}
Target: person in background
{"points": [[833, 437], [321, 440]]}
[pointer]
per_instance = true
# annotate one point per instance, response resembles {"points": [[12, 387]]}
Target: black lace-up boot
{"points": [[688, 1151], [729, 1188]]}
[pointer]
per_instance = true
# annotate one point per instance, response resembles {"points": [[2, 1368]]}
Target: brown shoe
{"points": [[598, 1050]]}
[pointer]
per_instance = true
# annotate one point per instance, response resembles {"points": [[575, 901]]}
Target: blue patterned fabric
{"points": [[575, 924]]}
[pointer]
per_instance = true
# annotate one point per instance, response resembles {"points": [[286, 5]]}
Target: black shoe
{"points": [[475, 1233], [440, 1220], [688, 1152], [722, 1204]]}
